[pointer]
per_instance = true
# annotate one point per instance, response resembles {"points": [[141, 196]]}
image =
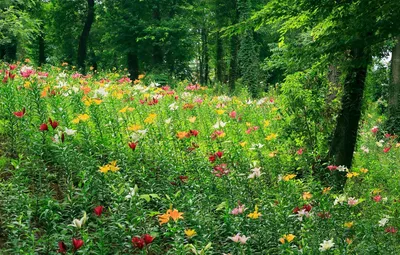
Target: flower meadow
{"points": [[98, 164]]}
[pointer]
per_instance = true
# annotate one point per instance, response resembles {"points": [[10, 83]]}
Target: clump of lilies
{"points": [[76, 244], [112, 166], [143, 241], [20, 114], [170, 214]]}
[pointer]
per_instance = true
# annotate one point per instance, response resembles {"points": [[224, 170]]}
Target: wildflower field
{"points": [[98, 164]]}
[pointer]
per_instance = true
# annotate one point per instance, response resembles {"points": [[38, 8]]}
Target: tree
{"points": [[220, 20], [394, 90], [234, 47], [248, 55], [342, 32], [83, 39], [17, 26]]}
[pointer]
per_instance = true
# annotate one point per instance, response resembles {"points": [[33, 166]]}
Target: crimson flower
{"points": [[12, 67], [221, 170], [138, 242], [212, 158], [154, 101], [392, 230], [62, 248], [300, 151], [219, 154], [377, 198], [194, 133], [374, 130], [98, 210], [233, 114], [387, 149], [306, 207], [148, 239], [77, 243], [44, 127], [54, 124], [27, 73], [132, 145], [332, 168], [20, 114]]}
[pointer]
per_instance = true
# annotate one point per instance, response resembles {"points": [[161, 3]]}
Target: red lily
{"points": [[392, 230], [219, 154], [194, 133], [307, 207], [98, 210], [154, 101], [300, 151], [44, 127], [332, 168], [138, 242], [212, 158], [77, 243], [54, 124], [148, 239], [27, 72], [387, 149], [62, 248], [20, 114], [132, 145], [221, 170], [377, 198]]}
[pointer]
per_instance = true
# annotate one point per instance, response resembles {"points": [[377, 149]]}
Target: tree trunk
{"points": [[345, 136], [2, 52], [158, 55], [220, 59], [201, 57], [42, 56], [133, 65], [334, 79], [206, 58], [394, 91], [82, 48], [233, 66], [234, 45]]}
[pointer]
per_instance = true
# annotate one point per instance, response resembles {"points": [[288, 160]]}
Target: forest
{"points": [[199, 127]]}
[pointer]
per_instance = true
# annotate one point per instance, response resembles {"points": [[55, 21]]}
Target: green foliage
{"points": [[47, 182]]}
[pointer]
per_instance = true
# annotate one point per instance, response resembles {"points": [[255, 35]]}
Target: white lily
{"points": [[79, 223]]}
